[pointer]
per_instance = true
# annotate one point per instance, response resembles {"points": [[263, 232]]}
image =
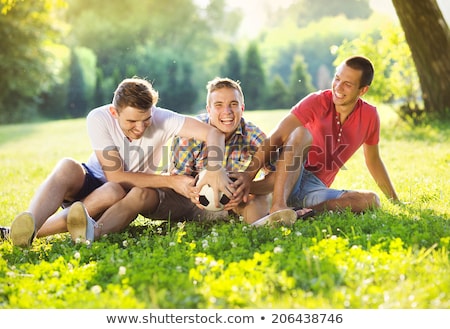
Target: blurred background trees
{"points": [[61, 58]]}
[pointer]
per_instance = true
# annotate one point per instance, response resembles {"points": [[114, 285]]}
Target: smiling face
{"points": [[346, 88], [225, 108], [132, 121]]}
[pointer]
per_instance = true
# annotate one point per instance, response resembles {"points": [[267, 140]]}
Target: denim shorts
{"points": [[309, 191]]}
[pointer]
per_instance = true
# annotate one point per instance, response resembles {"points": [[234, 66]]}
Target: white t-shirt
{"points": [[141, 155]]}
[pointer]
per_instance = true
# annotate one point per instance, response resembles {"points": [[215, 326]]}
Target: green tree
{"points": [[254, 81], [99, 94], [176, 30], [395, 78], [280, 45], [232, 67], [300, 81], [303, 12], [28, 33], [77, 102], [278, 95]]}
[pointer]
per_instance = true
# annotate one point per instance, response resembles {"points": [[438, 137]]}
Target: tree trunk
{"points": [[428, 37]]}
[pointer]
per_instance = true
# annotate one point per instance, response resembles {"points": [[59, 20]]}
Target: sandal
{"points": [[306, 215]]}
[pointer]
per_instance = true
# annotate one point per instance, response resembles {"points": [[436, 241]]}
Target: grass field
{"points": [[395, 257]]}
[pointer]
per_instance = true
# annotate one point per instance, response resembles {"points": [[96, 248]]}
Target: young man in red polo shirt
{"points": [[317, 137]]}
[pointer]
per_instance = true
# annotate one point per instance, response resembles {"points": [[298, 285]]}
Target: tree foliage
{"points": [[304, 12], [179, 45], [28, 32], [300, 84], [232, 67], [254, 79]]}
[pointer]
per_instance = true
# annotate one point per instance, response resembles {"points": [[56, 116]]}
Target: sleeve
{"points": [[308, 108], [170, 121], [373, 136], [183, 161], [99, 128]]}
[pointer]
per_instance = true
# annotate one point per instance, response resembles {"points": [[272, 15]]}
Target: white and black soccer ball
{"points": [[206, 197]]}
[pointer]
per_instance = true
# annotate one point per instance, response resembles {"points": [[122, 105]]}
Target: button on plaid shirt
{"points": [[189, 155]]}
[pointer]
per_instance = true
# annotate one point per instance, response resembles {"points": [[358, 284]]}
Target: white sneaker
{"points": [[79, 224], [284, 217], [22, 230]]}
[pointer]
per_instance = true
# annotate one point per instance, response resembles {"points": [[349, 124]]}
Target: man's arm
{"points": [[276, 139], [112, 166], [112, 163], [216, 175], [378, 171]]}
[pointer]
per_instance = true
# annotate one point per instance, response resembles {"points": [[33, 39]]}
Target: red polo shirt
{"points": [[329, 151]]}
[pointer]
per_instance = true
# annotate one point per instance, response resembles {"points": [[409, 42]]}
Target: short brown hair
{"points": [[135, 92], [219, 83]]}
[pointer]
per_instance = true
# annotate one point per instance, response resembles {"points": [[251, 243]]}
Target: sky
{"points": [[254, 11]]}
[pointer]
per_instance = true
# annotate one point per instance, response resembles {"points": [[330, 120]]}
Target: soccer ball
{"points": [[206, 197]]}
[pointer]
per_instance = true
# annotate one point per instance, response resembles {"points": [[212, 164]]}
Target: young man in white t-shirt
{"points": [[128, 139]]}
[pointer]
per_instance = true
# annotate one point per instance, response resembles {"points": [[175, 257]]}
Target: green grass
{"points": [[395, 257]]}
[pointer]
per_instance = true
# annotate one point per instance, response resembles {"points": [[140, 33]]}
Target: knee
{"points": [[114, 190], [370, 199], [141, 195], [68, 170], [300, 140], [301, 136], [68, 164]]}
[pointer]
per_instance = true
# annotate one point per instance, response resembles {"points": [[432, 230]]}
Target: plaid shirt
{"points": [[189, 155]]}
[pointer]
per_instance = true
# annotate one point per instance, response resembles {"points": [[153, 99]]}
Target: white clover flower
{"points": [[96, 289], [77, 255], [278, 250], [199, 260], [125, 243], [122, 270], [171, 244]]}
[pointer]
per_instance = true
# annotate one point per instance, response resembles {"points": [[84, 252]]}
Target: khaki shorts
{"points": [[176, 207]]}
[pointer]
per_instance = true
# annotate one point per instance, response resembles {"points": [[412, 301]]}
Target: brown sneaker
{"points": [[22, 230], [79, 224]]}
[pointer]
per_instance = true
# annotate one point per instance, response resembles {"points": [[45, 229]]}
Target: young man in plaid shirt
{"points": [[225, 108]]}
